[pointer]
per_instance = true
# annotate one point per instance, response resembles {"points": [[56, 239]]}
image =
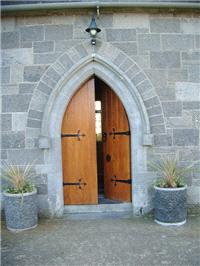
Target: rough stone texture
{"points": [[158, 52], [21, 213], [32, 33], [58, 32], [172, 108], [15, 103], [9, 40], [170, 206], [13, 140], [186, 137], [43, 47], [165, 59], [19, 121], [33, 73]]}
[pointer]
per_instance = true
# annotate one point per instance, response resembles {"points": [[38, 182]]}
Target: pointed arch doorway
{"points": [[96, 147]]}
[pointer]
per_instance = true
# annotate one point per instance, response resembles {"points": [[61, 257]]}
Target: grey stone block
{"points": [[58, 32], [163, 25], [158, 129], [119, 59], [191, 57], [39, 101], [44, 143], [42, 189], [16, 73], [130, 48], [175, 75], [197, 41], [123, 35], [32, 123], [28, 44], [10, 40], [63, 46], [22, 56], [194, 73], [148, 42], [186, 137], [177, 42], [190, 25], [19, 121], [5, 74], [156, 120], [172, 108], [191, 105], [163, 140], [187, 91], [6, 122], [147, 140], [26, 88], [142, 60], [81, 50], [166, 93], [45, 58], [132, 71], [53, 74], [189, 155], [158, 77], [43, 47], [48, 81], [184, 121], [24, 156], [15, 103], [3, 155], [66, 62], [44, 88], [151, 102], [9, 89], [145, 87], [33, 73], [156, 110], [35, 114], [165, 59], [126, 65], [13, 140], [32, 33], [138, 78]]}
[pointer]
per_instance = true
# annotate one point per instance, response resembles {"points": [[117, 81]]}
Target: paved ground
{"points": [[104, 241]]}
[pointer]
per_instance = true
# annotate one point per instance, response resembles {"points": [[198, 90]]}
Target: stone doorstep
{"points": [[101, 208]]}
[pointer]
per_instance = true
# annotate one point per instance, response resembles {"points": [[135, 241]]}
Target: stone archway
{"points": [[51, 129], [128, 81]]}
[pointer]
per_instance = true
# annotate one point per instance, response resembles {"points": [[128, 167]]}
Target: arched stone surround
{"points": [[60, 82]]}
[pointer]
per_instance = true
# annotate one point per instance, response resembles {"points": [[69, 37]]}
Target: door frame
{"points": [[138, 121]]}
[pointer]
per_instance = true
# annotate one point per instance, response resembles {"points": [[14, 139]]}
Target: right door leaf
{"points": [[116, 147]]}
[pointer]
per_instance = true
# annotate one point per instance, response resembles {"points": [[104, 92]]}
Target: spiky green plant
{"points": [[18, 177], [171, 172]]}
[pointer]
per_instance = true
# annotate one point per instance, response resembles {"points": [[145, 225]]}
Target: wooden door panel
{"points": [[79, 156], [118, 147]]}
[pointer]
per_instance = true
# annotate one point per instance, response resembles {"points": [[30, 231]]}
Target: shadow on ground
{"points": [[79, 241]]}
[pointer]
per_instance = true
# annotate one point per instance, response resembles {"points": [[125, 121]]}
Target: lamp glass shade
{"points": [[93, 32]]}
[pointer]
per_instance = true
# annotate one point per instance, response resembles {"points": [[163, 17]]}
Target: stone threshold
{"points": [[100, 208]]}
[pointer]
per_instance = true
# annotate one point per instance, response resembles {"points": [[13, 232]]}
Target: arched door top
{"points": [[106, 58]]}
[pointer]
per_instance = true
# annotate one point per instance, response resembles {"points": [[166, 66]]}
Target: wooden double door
{"points": [[79, 155]]}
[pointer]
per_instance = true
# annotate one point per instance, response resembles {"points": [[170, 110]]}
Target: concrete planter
{"points": [[170, 205], [21, 214]]}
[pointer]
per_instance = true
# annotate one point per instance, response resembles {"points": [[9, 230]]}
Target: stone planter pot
{"points": [[21, 213], [170, 205]]}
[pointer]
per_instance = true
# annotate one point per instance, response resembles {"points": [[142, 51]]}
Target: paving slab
{"points": [[87, 239]]}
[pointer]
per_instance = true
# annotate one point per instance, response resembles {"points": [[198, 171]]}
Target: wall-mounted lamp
{"points": [[93, 30]]}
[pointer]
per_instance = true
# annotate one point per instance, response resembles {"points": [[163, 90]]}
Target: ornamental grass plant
{"points": [[171, 174], [19, 178]]}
